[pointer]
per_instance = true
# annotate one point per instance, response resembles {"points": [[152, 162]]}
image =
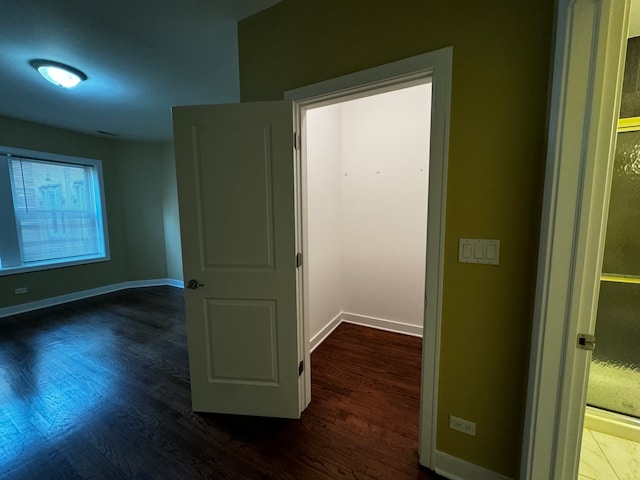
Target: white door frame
{"points": [[590, 47], [437, 66]]}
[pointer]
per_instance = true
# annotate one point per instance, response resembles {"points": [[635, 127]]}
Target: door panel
{"points": [[229, 320], [236, 193], [241, 234]]}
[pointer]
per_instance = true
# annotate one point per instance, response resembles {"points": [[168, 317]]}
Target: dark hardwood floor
{"points": [[99, 389]]}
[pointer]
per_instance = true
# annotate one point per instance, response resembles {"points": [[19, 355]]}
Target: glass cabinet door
{"points": [[614, 381]]}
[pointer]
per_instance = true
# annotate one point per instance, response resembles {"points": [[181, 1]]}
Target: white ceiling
{"points": [[141, 57]]}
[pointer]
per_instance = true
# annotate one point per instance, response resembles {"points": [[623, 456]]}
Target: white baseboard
{"points": [[611, 423], [383, 324], [325, 332], [174, 283], [70, 297], [372, 322], [456, 469]]}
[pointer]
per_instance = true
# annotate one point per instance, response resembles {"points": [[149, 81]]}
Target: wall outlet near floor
{"points": [[21, 290], [462, 425]]}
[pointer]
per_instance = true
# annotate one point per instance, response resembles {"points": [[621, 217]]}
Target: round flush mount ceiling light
{"points": [[58, 73]]}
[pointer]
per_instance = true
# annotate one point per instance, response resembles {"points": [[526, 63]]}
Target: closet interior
{"points": [[365, 184]]}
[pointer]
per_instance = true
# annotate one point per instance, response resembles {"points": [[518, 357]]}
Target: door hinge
{"points": [[300, 367], [298, 260], [586, 341], [296, 140]]}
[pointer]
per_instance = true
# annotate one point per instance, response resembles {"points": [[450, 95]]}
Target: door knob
{"points": [[193, 284]]}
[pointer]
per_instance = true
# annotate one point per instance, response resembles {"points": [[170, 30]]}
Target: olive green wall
{"points": [[149, 194], [139, 179], [501, 59], [171, 218]]}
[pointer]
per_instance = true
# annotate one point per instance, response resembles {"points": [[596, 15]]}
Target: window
{"points": [[52, 211]]}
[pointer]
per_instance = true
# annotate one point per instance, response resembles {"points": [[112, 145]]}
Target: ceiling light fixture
{"points": [[58, 73]]}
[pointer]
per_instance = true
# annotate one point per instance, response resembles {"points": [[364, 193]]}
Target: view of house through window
{"points": [[52, 212]]}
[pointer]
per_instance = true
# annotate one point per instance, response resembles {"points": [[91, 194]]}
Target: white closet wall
{"points": [[367, 229], [324, 228]]}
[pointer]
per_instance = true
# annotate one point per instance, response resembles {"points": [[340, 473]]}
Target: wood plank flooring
{"points": [[99, 389]]}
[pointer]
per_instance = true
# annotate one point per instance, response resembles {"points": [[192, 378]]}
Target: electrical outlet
{"points": [[462, 425], [21, 290]]}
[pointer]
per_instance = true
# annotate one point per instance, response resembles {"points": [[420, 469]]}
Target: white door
{"points": [[235, 172], [591, 41]]}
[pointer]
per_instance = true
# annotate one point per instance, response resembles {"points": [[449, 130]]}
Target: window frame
{"points": [[7, 153]]}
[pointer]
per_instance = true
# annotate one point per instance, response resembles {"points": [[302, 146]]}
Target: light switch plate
{"points": [[479, 250]]}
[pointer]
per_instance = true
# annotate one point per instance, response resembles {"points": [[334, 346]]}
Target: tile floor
{"points": [[605, 457]]}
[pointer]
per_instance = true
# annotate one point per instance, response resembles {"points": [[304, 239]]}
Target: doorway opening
{"points": [[364, 191], [364, 194], [371, 215]]}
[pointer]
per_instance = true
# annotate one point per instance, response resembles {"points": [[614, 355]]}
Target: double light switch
{"points": [[478, 250]]}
